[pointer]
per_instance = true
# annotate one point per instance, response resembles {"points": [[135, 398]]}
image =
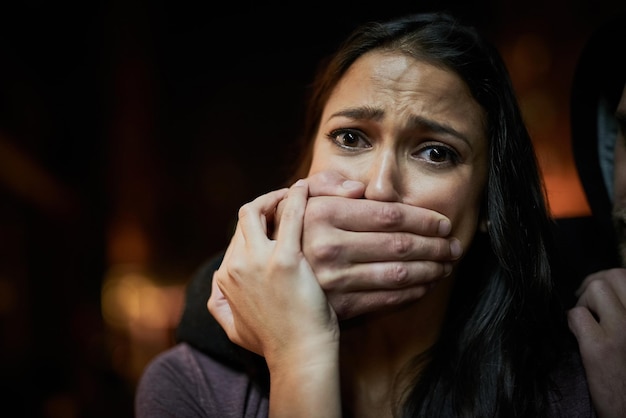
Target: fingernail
{"points": [[447, 269], [444, 227], [351, 184], [455, 248], [299, 183]]}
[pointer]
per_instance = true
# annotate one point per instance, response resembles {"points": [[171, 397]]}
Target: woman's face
{"points": [[412, 133]]}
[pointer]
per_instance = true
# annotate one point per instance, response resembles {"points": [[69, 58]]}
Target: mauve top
{"points": [[185, 382]]}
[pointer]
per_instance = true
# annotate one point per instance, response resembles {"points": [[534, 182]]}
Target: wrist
{"points": [[304, 355], [305, 382]]}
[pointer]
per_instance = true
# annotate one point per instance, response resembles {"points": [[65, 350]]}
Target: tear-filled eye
{"points": [[350, 139], [438, 154]]}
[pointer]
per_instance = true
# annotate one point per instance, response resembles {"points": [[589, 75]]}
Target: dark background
{"points": [[130, 133]]}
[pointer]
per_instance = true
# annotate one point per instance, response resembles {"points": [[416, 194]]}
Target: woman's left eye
{"points": [[349, 139], [438, 154]]}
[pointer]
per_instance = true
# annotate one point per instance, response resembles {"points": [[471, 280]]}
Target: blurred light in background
{"points": [[542, 74], [141, 315]]}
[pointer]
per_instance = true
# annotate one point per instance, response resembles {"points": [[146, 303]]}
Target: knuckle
{"points": [[599, 287], [390, 215], [324, 251], [441, 249], [289, 213], [400, 244], [434, 248], [397, 274], [233, 270], [244, 210], [575, 313]]}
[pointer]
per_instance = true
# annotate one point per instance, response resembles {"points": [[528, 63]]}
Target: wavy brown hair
{"points": [[504, 325]]}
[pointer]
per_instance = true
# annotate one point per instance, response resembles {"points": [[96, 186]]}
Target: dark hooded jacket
{"points": [[588, 243]]}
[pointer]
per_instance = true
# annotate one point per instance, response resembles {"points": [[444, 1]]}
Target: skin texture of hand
{"points": [[261, 279], [369, 255], [599, 323]]}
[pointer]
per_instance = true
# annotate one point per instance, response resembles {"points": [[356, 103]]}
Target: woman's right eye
{"points": [[349, 139]]}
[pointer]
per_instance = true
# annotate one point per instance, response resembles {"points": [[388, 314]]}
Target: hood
{"points": [[596, 89]]}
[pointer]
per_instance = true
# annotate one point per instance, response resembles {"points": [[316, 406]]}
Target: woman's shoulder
{"points": [[570, 396], [183, 381]]}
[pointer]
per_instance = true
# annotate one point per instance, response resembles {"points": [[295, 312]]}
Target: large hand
{"points": [[370, 255], [267, 299], [599, 323]]}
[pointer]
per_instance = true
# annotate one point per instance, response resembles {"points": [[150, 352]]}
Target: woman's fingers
{"points": [[265, 289], [289, 235], [253, 216]]}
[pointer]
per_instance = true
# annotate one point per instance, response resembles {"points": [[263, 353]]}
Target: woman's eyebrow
{"points": [[360, 113], [438, 127], [371, 113]]}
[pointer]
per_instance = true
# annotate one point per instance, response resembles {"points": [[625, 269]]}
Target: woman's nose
{"points": [[383, 179]]}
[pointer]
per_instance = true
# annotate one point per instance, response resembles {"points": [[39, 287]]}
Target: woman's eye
{"points": [[438, 154], [349, 139]]}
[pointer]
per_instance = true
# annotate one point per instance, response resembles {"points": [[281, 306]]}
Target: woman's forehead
{"points": [[393, 83]]}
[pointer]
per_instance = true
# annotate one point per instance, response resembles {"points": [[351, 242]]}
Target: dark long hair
{"points": [[499, 340]]}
